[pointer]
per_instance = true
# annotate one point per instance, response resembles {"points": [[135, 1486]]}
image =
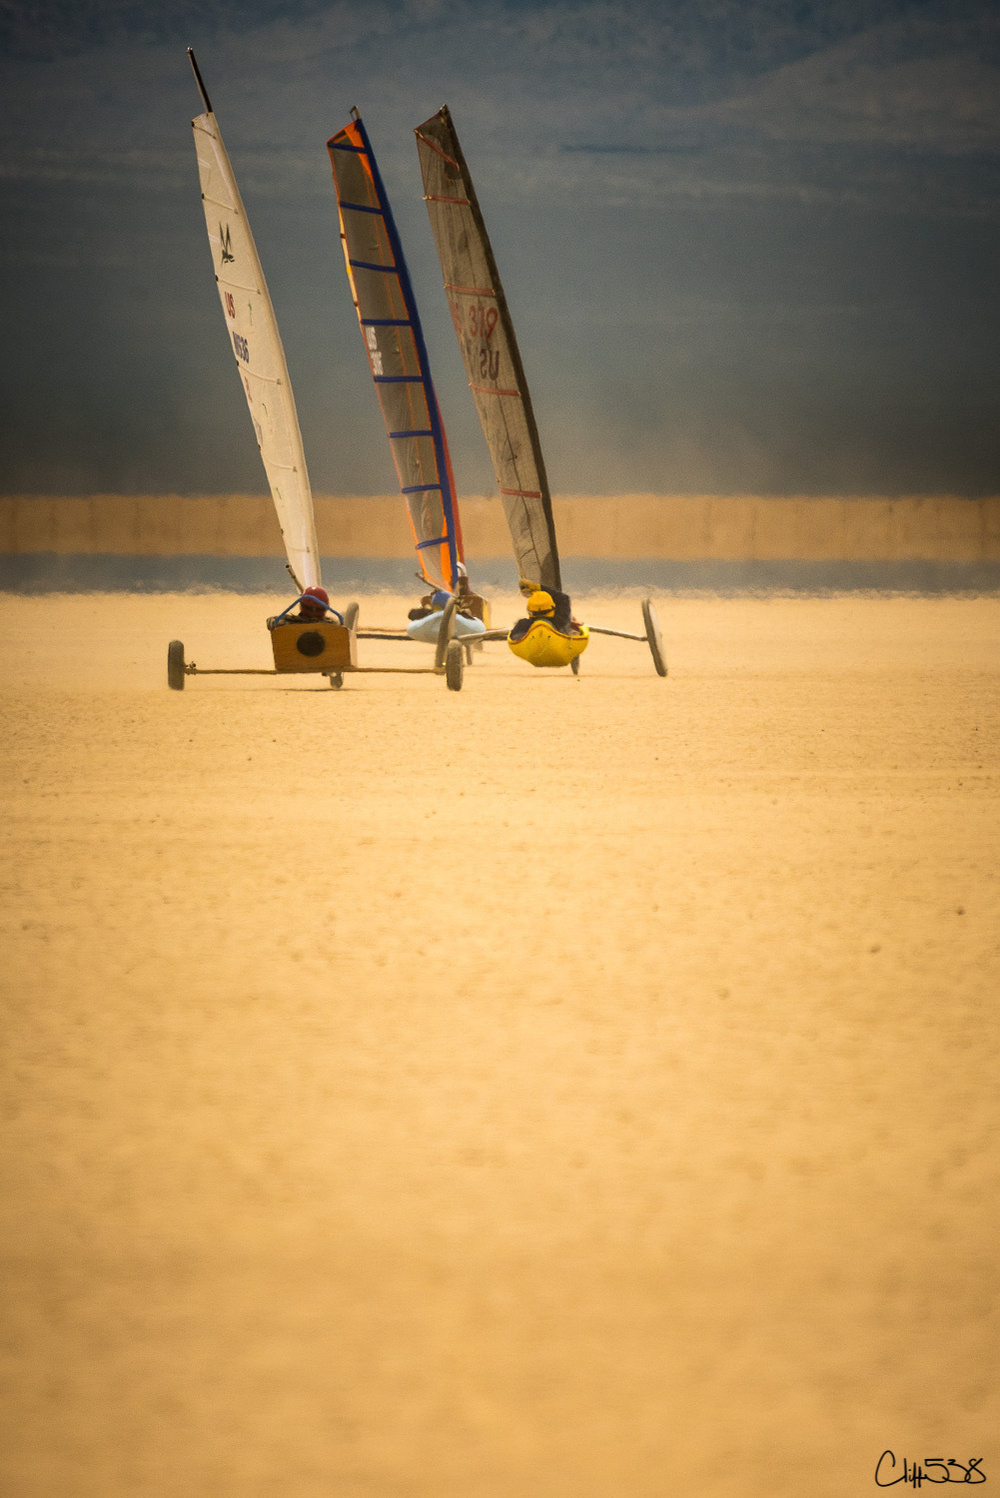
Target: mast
{"points": [[397, 354], [256, 345], [200, 81], [489, 349]]}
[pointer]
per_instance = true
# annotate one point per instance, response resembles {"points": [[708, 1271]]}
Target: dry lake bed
{"points": [[559, 1089]]}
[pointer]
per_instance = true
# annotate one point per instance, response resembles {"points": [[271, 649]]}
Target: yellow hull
{"points": [[545, 646]]}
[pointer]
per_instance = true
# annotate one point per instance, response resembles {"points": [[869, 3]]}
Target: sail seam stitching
{"points": [[470, 290]]}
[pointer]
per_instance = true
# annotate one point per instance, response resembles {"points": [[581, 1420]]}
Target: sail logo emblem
{"points": [[481, 323], [227, 245], [374, 353]]}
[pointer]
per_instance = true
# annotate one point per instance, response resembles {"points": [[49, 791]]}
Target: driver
{"points": [[312, 606], [546, 603], [425, 622]]}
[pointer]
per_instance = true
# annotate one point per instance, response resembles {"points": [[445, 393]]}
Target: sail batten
{"points": [[397, 355], [489, 349], [257, 349]]}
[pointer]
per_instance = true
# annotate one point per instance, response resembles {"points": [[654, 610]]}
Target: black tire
{"points": [[654, 637], [574, 665], [454, 665], [445, 634], [175, 665], [351, 615], [336, 680]]}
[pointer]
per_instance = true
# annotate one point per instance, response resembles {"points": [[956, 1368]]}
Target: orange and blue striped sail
{"points": [[397, 354]]}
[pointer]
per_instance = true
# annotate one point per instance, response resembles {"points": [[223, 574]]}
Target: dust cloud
{"points": [[938, 527]]}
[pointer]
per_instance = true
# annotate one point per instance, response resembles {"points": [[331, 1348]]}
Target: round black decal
{"points": [[311, 642]]}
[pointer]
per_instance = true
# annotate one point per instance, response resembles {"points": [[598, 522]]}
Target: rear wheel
{"points": [[654, 637], [351, 615], [574, 665], [175, 665], [336, 680], [454, 666]]}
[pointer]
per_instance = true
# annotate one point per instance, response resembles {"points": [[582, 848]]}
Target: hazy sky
{"points": [[749, 245]]}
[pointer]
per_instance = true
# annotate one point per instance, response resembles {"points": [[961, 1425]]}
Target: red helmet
{"points": [[310, 610]]}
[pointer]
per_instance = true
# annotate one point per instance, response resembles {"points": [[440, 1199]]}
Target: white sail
{"points": [[256, 345]]}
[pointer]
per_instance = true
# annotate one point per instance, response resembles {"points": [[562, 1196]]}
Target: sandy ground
{"points": [[560, 1089]]}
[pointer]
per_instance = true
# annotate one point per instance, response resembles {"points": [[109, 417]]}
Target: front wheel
{"points": [[653, 636], [445, 634], [454, 665], [175, 665], [336, 680], [574, 665]]}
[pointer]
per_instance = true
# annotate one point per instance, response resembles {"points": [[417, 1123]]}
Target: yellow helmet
{"points": [[540, 602]]}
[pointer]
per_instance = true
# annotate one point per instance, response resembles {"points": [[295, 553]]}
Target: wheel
{"points": [[445, 633], [336, 680], [175, 665], [574, 665], [454, 665], [654, 637], [351, 615]]}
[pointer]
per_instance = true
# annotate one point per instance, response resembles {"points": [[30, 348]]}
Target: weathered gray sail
{"points": [[489, 349]]}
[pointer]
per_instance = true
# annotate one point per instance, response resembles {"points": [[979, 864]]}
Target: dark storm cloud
{"points": [[747, 245]]}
